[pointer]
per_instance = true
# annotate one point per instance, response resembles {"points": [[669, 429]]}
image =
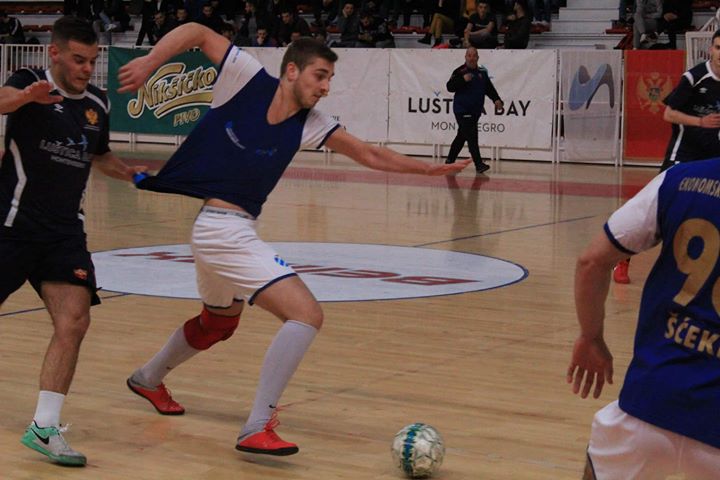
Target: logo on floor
{"points": [[334, 272]]}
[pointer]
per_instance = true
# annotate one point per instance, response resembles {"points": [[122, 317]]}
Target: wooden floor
{"points": [[487, 369]]}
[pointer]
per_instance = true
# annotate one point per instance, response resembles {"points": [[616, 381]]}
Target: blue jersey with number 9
{"points": [[673, 381]]}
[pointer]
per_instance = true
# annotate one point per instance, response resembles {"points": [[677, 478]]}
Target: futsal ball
{"points": [[418, 450]]}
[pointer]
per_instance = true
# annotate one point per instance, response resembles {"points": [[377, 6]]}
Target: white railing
{"points": [[698, 43]]}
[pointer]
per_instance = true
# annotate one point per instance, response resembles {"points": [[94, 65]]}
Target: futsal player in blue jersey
{"points": [[693, 109], [57, 128], [233, 159], [667, 419]]}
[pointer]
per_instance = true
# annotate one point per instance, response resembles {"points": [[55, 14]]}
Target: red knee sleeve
{"points": [[205, 330]]}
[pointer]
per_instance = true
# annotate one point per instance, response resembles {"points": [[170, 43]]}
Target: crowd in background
{"points": [[363, 23], [354, 23]]}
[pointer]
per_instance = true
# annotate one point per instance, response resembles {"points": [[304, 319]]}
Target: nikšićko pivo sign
{"points": [[172, 100]]}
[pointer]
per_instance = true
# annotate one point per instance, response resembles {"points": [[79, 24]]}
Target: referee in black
{"points": [[56, 129], [471, 84]]}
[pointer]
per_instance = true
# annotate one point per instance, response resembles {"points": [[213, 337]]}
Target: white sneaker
{"points": [[49, 441]]}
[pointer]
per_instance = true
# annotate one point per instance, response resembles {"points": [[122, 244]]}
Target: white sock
{"points": [[47, 412], [281, 360], [172, 354]]}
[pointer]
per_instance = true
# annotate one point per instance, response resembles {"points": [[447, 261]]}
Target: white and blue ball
{"points": [[418, 450]]}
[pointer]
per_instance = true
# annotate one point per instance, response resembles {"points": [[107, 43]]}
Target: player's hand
{"points": [[447, 168], [710, 121], [499, 104], [133, 74], [135, 169], [39, 92], [591, 363]]}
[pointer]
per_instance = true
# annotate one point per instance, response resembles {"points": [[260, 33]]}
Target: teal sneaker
{"points": [[49, 441]]}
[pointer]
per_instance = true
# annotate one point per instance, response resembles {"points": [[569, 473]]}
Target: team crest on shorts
{"points": [[80, 273]]}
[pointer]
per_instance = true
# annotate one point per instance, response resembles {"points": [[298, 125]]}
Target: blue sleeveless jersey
{"points": [[234, 154], [673, 380]]}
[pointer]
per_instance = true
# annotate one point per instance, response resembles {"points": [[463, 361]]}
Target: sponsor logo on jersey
{"points": [[231, 135], [334, 272], [651, 91], [583, 87], [58, 108]]}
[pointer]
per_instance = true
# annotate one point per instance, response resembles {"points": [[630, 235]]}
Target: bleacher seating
{"points": [[37, 18]]}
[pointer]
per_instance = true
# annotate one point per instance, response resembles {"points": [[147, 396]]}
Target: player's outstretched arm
{"points": [[112, 166], [380, 158], [591, 362], [133, 74], [12, 98]]}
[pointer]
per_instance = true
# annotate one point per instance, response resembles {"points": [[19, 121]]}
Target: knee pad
{"points": [[207, 329]]}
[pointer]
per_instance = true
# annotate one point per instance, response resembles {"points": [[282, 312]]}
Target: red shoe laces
{"points": [[273, 422], [167, 396]]}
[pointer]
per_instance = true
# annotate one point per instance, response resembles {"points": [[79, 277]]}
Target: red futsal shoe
{"points": [[267, 442], [159, 397], [620, 272]]}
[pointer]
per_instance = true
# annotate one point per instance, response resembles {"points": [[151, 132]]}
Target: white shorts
{"points": [[623, 447], [232, 263]]}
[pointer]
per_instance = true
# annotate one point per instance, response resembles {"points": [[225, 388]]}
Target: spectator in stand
{"points": [[676, 18], [349, 25], [481, 31], [70, 7], [119, 16], [210, 19], [295, 36], [194, 8], [181, 16], [289, 23], [374, 32], [330, 7], [11, 30], [228, 31], [542, 10], [500, 9], [224, 8], [404, 7], [163, 24], [445, 14], [647, 17], [148, 19], [252, 19], [321, 36], [262, 38], [276, 7], [518, 24]]}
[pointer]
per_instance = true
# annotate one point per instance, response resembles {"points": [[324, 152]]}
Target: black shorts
{"points": [[61, 260]]}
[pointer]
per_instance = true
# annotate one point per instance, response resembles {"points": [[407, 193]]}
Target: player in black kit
{"points": [[57, 127], [693, 108]]}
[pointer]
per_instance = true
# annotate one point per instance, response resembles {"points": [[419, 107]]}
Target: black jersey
{"points": [[48, 151], [697, 94]]}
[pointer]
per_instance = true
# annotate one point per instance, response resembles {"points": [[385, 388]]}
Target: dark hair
{"points": [[73, 28], [715, 35], [3, 14], [304, 51], [523, 4]]}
